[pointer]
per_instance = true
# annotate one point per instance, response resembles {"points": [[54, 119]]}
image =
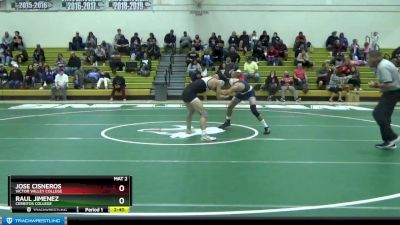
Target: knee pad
{"points": [[254, 110], [204, 114]]}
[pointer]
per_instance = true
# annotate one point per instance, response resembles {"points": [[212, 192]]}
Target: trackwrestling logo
{"points": [[180, 131]]}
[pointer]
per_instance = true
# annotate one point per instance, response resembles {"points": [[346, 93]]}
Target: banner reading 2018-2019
{"points": [[82, 5]]}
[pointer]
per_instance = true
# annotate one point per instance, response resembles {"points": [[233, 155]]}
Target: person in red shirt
{"points": [[272, 56], [347, 69], [300, 78], [300, 39], [287, 84]]}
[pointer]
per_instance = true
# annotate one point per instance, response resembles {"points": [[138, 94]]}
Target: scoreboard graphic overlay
{"points": [[70, 194]]}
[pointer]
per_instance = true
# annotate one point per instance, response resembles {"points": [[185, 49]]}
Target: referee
{"points": [[389, 84]]}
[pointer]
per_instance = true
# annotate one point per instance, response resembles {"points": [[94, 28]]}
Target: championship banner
{"points": [[32, 5], [80, 5], [130, 5], [83, 5]]}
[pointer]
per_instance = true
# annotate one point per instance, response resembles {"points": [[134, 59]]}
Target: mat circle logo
{"points": [[173, 133]]}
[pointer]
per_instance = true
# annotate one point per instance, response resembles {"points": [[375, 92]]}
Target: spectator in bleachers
{"points": [[91, 41], [338, 47], [118, 36], [221, 73], [347, 69], [366, 50], [194, 69], [212, 41], [235, 57], [135, 39], [48, 77], [196, 43], [355, 51], [264, 38], [343, 41], [116, 61], [93, 76], [272, 85], [233, 40], [79, 78], [282, 49], [40, 70], [374, 41], [288, 84], [30, 76], [18, 42], [2, 55], [90, 56], [5, 54], [15, 78], [335, 86], [38, 55], [136, 48], [151, 40], [3, 75], [118, 86], [169, 41], [122, 45], [74, 63], [275, 39], [207, 60], [145, 66], [300, 40], [396, 53], [108, 48], [254, 40], [230, 67], [330, 41], [191, 56], [185, 41], [152, 48], [272, 56], [77, 43], [300, 78], [244, 42], [100, 55], [298, 50], [395, 57], [250, 70], [304, 60], [22, 56], [60, 61], [60, 83], [258, 52], [7, 40], [104, 78], [218, 52], [323, 75]]}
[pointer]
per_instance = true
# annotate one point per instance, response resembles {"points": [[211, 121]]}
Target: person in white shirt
{"points": [[60, 83]]}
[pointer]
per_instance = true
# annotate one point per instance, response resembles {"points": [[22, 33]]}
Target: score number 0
{"points": [[121, 200]]}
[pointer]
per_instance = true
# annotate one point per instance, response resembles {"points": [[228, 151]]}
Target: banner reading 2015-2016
{"points": [[81, 5]]}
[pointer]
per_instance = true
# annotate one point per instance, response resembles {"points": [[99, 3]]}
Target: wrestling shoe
{"points": [[225, 125], [208, 138]]}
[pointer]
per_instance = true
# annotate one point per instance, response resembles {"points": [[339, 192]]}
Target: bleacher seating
{"points": [[141, 86], [136, 85], [318, 56]]}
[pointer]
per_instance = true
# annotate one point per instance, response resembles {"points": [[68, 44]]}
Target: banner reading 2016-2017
{"points": [[82, 5]]}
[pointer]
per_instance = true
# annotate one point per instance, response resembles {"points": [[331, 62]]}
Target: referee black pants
{"points": [[383, 114]]}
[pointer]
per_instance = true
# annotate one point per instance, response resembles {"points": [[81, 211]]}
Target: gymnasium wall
{"points": [[316, 18]]}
